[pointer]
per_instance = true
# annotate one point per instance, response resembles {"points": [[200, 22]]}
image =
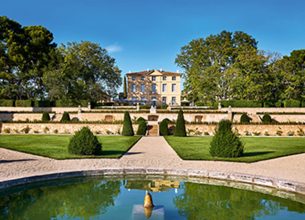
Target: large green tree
{"points": [[224, 66], [86, 71], [25, 53]]}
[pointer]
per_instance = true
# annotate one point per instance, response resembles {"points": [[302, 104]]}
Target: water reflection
{"points": [[98, 198], [200, 201]]}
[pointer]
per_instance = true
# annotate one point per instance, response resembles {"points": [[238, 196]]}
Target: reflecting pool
{"points": [[105, 198]]}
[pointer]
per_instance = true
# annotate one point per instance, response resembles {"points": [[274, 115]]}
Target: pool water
{"points": [[104, 198]]}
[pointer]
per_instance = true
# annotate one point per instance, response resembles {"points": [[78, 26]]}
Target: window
{"points": [[164, 100], [142, 77], [142, 88], [174, 78], [173, 87], [133, 78], [154, 88], [163, 87], [173, 100], [133, 88], [153, 78], [164, 77]]}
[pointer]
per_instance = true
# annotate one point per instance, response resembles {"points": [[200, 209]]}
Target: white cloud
{"points": [[113, 48]]}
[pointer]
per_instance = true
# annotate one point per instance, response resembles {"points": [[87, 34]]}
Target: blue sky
{"points": [[143, 34]]}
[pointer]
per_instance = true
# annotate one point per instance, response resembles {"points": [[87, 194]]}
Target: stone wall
{"points": [[250, 130], [60, 128]]}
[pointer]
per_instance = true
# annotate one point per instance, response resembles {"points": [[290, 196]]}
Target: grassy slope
{"points": [[56, 146], [256, 148]]}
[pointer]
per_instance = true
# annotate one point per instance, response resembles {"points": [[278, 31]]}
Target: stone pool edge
{"points": [[279, 184]]}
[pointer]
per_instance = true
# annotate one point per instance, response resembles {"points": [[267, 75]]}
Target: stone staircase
{"points": [[153, 130]]}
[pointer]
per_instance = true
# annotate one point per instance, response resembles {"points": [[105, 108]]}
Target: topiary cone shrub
{"points": [[163, 131], [84, 143], [245, 119], [127, 125], [65, 117], [140, 119], [225, 142], [45, 117], [266, 119], [180, 125], [142, 128]]}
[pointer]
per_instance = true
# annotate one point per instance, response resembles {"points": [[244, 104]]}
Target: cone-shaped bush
{"points": [[245, 119], [140, 119], [127, 125], [142, 128], [267, 119], [65, 117], [180, 125], [163, 131], [45, 117], [84, 143], [226, 143]]}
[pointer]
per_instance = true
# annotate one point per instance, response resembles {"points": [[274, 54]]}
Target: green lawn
{"points": [[56, 146], [256, 148]]}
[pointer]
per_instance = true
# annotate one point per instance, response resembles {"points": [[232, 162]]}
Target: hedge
{"points": [[24, 103], [241, 103], [7, 102], [293, 103]]}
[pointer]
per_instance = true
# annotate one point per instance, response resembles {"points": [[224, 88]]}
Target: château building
{"points": [[154, 87]]}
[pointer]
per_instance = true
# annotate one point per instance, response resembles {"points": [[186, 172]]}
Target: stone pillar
{"points": [[219, 106], [230, 113], [138, 107], [89, 106]]}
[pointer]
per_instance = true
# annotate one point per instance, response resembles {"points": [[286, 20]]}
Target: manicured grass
{"points": [[256, 148], [56, 146]]}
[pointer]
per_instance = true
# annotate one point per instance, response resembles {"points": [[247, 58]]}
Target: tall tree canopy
{"points": [[86, 71], [25, 53], [230, 66], [33, 67]]}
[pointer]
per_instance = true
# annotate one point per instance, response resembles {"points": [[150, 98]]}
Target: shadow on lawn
{"points": [[252, 154], [12, 161], [118, 152]]}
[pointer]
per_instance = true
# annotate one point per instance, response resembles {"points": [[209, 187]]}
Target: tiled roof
{"points": [[147, 72]]}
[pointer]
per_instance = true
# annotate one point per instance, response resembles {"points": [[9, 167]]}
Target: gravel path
{"points": [[153, 153]]}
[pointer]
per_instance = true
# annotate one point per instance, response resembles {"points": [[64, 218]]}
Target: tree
{"points": [[25, 53], [125, 88], [45, 117], [86, 72], [225, 143], [65, 117], [180, 125], [127, 125], [163, 131]]}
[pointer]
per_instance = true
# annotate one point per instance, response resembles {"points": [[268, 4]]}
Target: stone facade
{"points": [[154, 87], [60, 128]]}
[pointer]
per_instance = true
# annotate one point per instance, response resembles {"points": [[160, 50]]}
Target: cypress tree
{"points": [[180, 125], [125, 89], [127, 125], [65, 117], [45, 117], [225, 142]]}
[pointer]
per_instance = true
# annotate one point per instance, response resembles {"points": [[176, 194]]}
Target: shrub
{"points": [[84, 143], [292, 103], [7, 130], [257, 133], [241, 103], [46, 130], [163, 129], [290, 133], [75, 119], [45, 117], [226, 143], [245, 119], [44, 103], [180, 125], [65, 117], [26, 130], [140, 120], [7, 102], [55, 131], [142, 128], [266, 133], [266, 119], [23, 103], [300, 132], [127, 125], [279, 132]]}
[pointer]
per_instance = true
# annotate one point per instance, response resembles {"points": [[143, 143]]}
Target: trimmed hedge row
{"points": [[44, 103]]}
